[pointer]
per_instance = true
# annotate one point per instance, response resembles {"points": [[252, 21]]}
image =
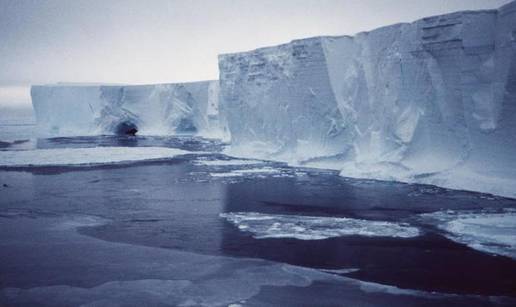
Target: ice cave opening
{"points": [[126, 128]]}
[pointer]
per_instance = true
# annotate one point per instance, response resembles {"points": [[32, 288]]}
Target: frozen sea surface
{"points": [[302, 227], [85, 156], [228, 162], [492, 232]]}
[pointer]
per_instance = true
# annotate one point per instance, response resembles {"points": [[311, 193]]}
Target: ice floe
{"points": [[232, 162], [491, 232], [264, 226], [250, 171], [85, 156]]}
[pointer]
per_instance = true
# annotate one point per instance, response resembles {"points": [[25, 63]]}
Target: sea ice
{"points": [[264, 226], [231, 162], [485, 231], [85, 156], [249, 171]]}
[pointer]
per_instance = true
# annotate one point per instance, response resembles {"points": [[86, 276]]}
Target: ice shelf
{"points": [[160, 109], [433, 101]]}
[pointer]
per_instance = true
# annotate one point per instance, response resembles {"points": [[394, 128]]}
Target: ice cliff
{"points": [[433, 101], [183, 108]]}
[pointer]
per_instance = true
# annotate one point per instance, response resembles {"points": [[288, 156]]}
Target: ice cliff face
{"points": [[186, 108], [279, 101], [433, 101]]}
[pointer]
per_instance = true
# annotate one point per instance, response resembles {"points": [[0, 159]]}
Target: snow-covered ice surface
{"points": [[491, 232], [264, 226], [161, 109], [85, 156], [433, 101]]}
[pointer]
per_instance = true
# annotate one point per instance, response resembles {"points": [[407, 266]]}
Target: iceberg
{"points": [[433, 101], [161, 109]]}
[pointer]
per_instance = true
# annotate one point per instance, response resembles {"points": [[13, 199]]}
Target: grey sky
{"points": [[171, 41]]}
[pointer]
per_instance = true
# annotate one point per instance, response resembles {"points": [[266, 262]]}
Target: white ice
{"points": [[300, 227], [85, 156], [236, 162], [160, 109], [485, 231], [433, 101], [230, 174], [250, 171]]}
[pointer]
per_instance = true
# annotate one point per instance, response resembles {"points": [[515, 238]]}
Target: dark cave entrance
{"points": [[126, 128]]}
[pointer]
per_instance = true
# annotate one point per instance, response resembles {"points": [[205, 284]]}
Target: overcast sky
{"points": [[145, 41]]}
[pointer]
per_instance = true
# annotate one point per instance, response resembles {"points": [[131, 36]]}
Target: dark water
{"points": [[183, 142], [176, 205]]}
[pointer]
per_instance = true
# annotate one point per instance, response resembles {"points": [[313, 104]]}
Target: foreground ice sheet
{"points": [[432, 101], [488, 232], [85, 156], [264, 226]]}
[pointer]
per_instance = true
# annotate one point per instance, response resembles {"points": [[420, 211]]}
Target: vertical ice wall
{"points": [[161, 109], [432, 101], [278, 101]]}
